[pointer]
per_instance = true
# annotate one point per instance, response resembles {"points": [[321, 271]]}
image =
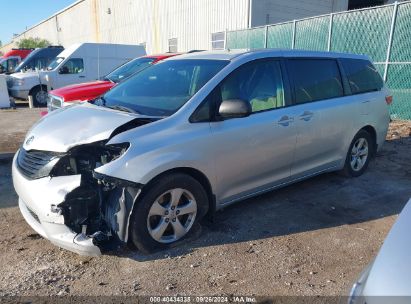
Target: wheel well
{"points": [[44, 87], [198, 176], [370, 130]]}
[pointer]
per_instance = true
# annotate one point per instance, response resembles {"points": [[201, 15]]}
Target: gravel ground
{"points": [[311, 238], [14, 124]]}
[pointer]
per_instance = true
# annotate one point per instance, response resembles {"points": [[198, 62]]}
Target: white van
{"points": [[78, 63]]}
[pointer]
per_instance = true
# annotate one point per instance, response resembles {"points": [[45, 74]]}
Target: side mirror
{"points": [[234, 108], [64, 70]]}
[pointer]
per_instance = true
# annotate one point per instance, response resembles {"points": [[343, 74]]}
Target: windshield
{"points": [[163, 88], [25, 63], [129, 69], [55, 63]]}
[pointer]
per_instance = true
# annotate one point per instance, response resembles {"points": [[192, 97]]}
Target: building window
{"points": [[217, 40], [172, 45]]}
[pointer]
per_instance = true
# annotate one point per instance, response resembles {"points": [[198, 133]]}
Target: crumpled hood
{"points": [[63, 129], [83, 91]]}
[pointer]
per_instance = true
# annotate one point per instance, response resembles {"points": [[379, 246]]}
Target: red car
{"points": [[90, 90]]}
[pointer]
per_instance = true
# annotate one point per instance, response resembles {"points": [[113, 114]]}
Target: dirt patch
{"points": [[310, 238], [14, 124]]}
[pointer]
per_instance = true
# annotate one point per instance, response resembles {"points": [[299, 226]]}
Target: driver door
{"points": [[71, 72], [254, 153]]}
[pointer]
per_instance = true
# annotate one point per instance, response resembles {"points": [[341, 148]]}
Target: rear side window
{"points": [[315, 79], [362, 76]]}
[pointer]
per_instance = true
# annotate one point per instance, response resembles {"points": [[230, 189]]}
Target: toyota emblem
{"points": [[29, 140]]}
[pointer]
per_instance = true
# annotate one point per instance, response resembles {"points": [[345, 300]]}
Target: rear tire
{"points": [[167, 211], [39, 95], [359, 154]]}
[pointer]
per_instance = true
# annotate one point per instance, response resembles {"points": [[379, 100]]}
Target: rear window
{"points": [[315, 79], [362, 76]]}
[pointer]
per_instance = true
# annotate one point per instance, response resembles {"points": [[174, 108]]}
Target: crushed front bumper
{"points": [[36, 201]]}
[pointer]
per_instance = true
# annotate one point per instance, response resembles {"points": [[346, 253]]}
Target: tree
{"points": [[32, 43]]}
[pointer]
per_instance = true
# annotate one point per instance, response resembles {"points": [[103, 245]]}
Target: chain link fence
{"points": [[383, 33]]}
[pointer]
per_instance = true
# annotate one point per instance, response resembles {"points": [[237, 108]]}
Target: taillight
{"points": [[388, 99]]}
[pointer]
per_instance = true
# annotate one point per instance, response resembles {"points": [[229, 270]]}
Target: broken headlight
{"points": [[84, 159]]}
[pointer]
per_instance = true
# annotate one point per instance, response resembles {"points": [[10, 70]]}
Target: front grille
{"points": [[36, 164], [33, 214], [54, 103]]}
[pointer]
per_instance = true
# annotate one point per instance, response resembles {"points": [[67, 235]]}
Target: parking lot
{"points": [[310, 238]]}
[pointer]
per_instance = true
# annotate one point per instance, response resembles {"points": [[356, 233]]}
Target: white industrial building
{"points": [[169, 25]]}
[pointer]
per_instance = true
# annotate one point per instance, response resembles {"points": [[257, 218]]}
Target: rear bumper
{"points": [[382, 136], [382, 130], [36, 198]]}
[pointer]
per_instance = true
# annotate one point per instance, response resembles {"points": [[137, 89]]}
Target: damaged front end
{"points": [[60, 196], [96, 209]]}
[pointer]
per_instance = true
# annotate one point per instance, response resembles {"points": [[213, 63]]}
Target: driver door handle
{"points": [[285, 121]]}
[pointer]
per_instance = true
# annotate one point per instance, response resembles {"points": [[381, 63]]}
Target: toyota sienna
{"points": [[146, 161]]}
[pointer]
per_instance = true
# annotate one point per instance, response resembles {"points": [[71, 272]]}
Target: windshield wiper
{"points": [[105, 78], [123, 108]]}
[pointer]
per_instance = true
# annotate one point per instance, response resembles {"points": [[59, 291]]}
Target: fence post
{"points": [[293, 41], [387, 59], [225, 39], [266, 37], [330, 31]]}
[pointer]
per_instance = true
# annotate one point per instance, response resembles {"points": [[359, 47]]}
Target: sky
{"points": [[17, 15]]}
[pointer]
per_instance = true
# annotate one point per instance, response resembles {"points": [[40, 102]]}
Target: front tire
{"points": [[359, 154], [40, 96], [167, 211]]}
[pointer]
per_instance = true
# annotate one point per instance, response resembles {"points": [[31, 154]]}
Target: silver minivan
{"points": [[186, 137]]}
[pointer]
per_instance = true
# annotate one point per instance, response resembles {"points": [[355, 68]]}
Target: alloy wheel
{"points": [[172, 215], [359, 154]]}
